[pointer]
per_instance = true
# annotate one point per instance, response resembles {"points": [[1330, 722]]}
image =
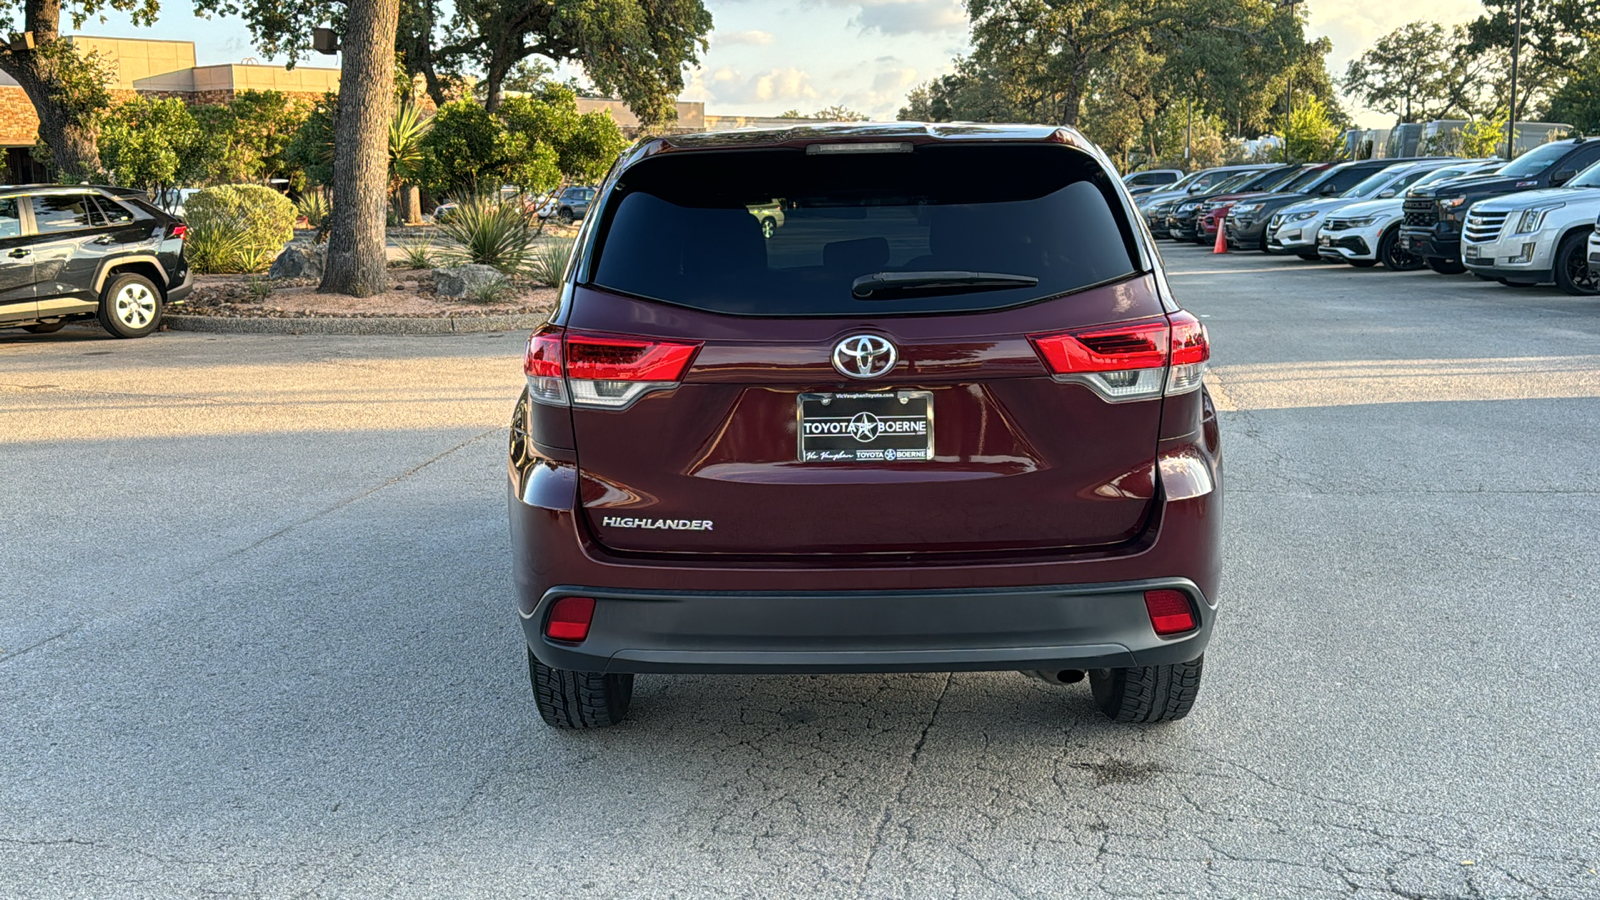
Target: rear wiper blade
{"points": [[881, 282]]}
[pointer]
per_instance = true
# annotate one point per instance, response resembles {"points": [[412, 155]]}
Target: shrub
{"points": [[237, 227], [314, 206], [416, 253], [491, 232], [548, 262], [491, 291]]}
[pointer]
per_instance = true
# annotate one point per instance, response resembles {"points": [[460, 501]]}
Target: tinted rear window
{"points": [[688, 229]]}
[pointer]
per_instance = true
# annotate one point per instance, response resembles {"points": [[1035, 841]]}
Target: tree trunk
{"points": [[357, 261], [70, 134]]}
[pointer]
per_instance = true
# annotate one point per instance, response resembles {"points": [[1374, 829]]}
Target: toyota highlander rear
{"points": [[945, 416]]}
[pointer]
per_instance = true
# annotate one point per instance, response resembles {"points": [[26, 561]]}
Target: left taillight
{"points": [[1137, 360], [179, 231], [600, 370]]}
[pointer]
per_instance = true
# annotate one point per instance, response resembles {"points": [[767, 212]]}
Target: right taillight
{"points": [[1190, 350], [601, 370], [1137, 360]]}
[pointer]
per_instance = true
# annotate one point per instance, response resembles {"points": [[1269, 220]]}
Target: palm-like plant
{"points": [[406, 131]]}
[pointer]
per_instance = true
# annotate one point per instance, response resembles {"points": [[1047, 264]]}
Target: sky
{"points": [[768, 56]]}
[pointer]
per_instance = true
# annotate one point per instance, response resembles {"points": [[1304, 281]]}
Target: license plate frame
{"points": [[864, 427]]}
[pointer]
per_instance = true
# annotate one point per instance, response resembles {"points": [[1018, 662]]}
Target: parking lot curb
{"points": [[355, 325]]}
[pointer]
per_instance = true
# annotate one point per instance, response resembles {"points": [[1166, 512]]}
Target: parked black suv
{"points": [[74, 252], [1435, 214]]}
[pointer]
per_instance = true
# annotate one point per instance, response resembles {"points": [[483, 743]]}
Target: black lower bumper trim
{"points": [[1064, 627]]}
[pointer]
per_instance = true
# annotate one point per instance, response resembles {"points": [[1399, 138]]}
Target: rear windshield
{"points": [[783, 233]]}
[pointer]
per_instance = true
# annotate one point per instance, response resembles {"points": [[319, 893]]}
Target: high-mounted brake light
{"points": [[1138, 360], [604, 371], [859, 147]]}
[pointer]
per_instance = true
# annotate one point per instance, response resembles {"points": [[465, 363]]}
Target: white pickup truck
{"points": [[1537, 237]]}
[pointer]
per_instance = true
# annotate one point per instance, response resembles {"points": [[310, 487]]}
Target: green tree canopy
{"points": [[533, 141], [152, 144], [1578, 100], [633, 49]]}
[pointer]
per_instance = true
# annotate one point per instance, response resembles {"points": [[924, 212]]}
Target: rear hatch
{"points": [[937, 349]]}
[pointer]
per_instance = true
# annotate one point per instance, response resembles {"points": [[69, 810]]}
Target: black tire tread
{"points": [[1146, 694], [579, 699]]}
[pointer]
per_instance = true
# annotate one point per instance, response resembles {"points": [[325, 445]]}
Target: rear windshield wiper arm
{"points": [[882, 282]]}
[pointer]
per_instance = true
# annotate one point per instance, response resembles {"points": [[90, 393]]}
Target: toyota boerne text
{"points": [[949, 417]]}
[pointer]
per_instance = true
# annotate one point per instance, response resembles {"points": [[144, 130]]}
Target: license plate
{"points": [[877, 426], [1469, 253], [1324, 241], [1405, 243]]}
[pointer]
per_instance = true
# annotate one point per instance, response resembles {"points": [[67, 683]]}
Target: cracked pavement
{"points": [[257, 639]]}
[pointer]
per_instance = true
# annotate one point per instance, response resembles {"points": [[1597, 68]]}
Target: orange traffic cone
{"points": [[1222, 239]]}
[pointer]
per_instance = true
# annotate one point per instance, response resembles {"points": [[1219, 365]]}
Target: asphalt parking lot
{"points": [[256, 638]]}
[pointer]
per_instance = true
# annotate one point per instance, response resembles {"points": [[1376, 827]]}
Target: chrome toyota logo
{"points": [[864, 356]]}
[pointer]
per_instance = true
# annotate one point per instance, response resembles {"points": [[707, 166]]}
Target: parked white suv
{"points": [[1367, 233], [1537, 237], [1298, 225]]}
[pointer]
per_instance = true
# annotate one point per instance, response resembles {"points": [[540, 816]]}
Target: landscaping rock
{"points": [[299, 259], [461, 281]]}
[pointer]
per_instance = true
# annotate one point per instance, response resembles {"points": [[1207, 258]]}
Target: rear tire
{"points": [[1444, 267], [1147, 693], [45, 327], [565, 216], [579, 699], [1573, 272], [130, 306]]}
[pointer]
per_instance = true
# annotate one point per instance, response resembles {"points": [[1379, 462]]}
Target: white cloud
{"points": [[753, 38], [729, 85], [895, 17]]}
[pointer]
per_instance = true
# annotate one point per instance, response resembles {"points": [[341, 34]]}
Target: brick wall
{"points": [[19, 125]]}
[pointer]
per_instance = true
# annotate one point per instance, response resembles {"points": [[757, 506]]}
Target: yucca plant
{"points": [[490, 292], [490, 232], [417, 253], [314, 206], [548, 262], [213, 245]]}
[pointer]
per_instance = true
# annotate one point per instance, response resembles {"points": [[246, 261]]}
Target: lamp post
{"points": [[1516, 46], [1288, 86]]}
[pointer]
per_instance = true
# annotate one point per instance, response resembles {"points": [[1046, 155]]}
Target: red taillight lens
{"points": [[569, 619], [179, 230], [1190, 344], [1170, 612], [543, 358], [626, 359], [1136, 361], [604, 371], [1141, 345]]}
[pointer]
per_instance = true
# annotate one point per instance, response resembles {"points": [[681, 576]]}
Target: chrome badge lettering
{"points": [[653, 524]]}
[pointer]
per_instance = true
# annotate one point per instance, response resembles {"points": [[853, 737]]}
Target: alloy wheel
{"points": [[135, 306], [1583, 276]]}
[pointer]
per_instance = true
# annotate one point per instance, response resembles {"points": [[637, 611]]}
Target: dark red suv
{"points": [[947, 416]]}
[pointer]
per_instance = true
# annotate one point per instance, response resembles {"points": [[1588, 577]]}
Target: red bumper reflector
{"points": [[1170, 612], [569, 619]]}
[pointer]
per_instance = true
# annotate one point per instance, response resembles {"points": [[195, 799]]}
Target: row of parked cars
{"points": [[1529, 221]]}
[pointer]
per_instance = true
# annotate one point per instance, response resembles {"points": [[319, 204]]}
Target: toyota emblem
{"points": [[864, 356]]}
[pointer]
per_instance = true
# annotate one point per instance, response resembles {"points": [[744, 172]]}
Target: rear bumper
{"points": [[176, 293], [1053, 627]]}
